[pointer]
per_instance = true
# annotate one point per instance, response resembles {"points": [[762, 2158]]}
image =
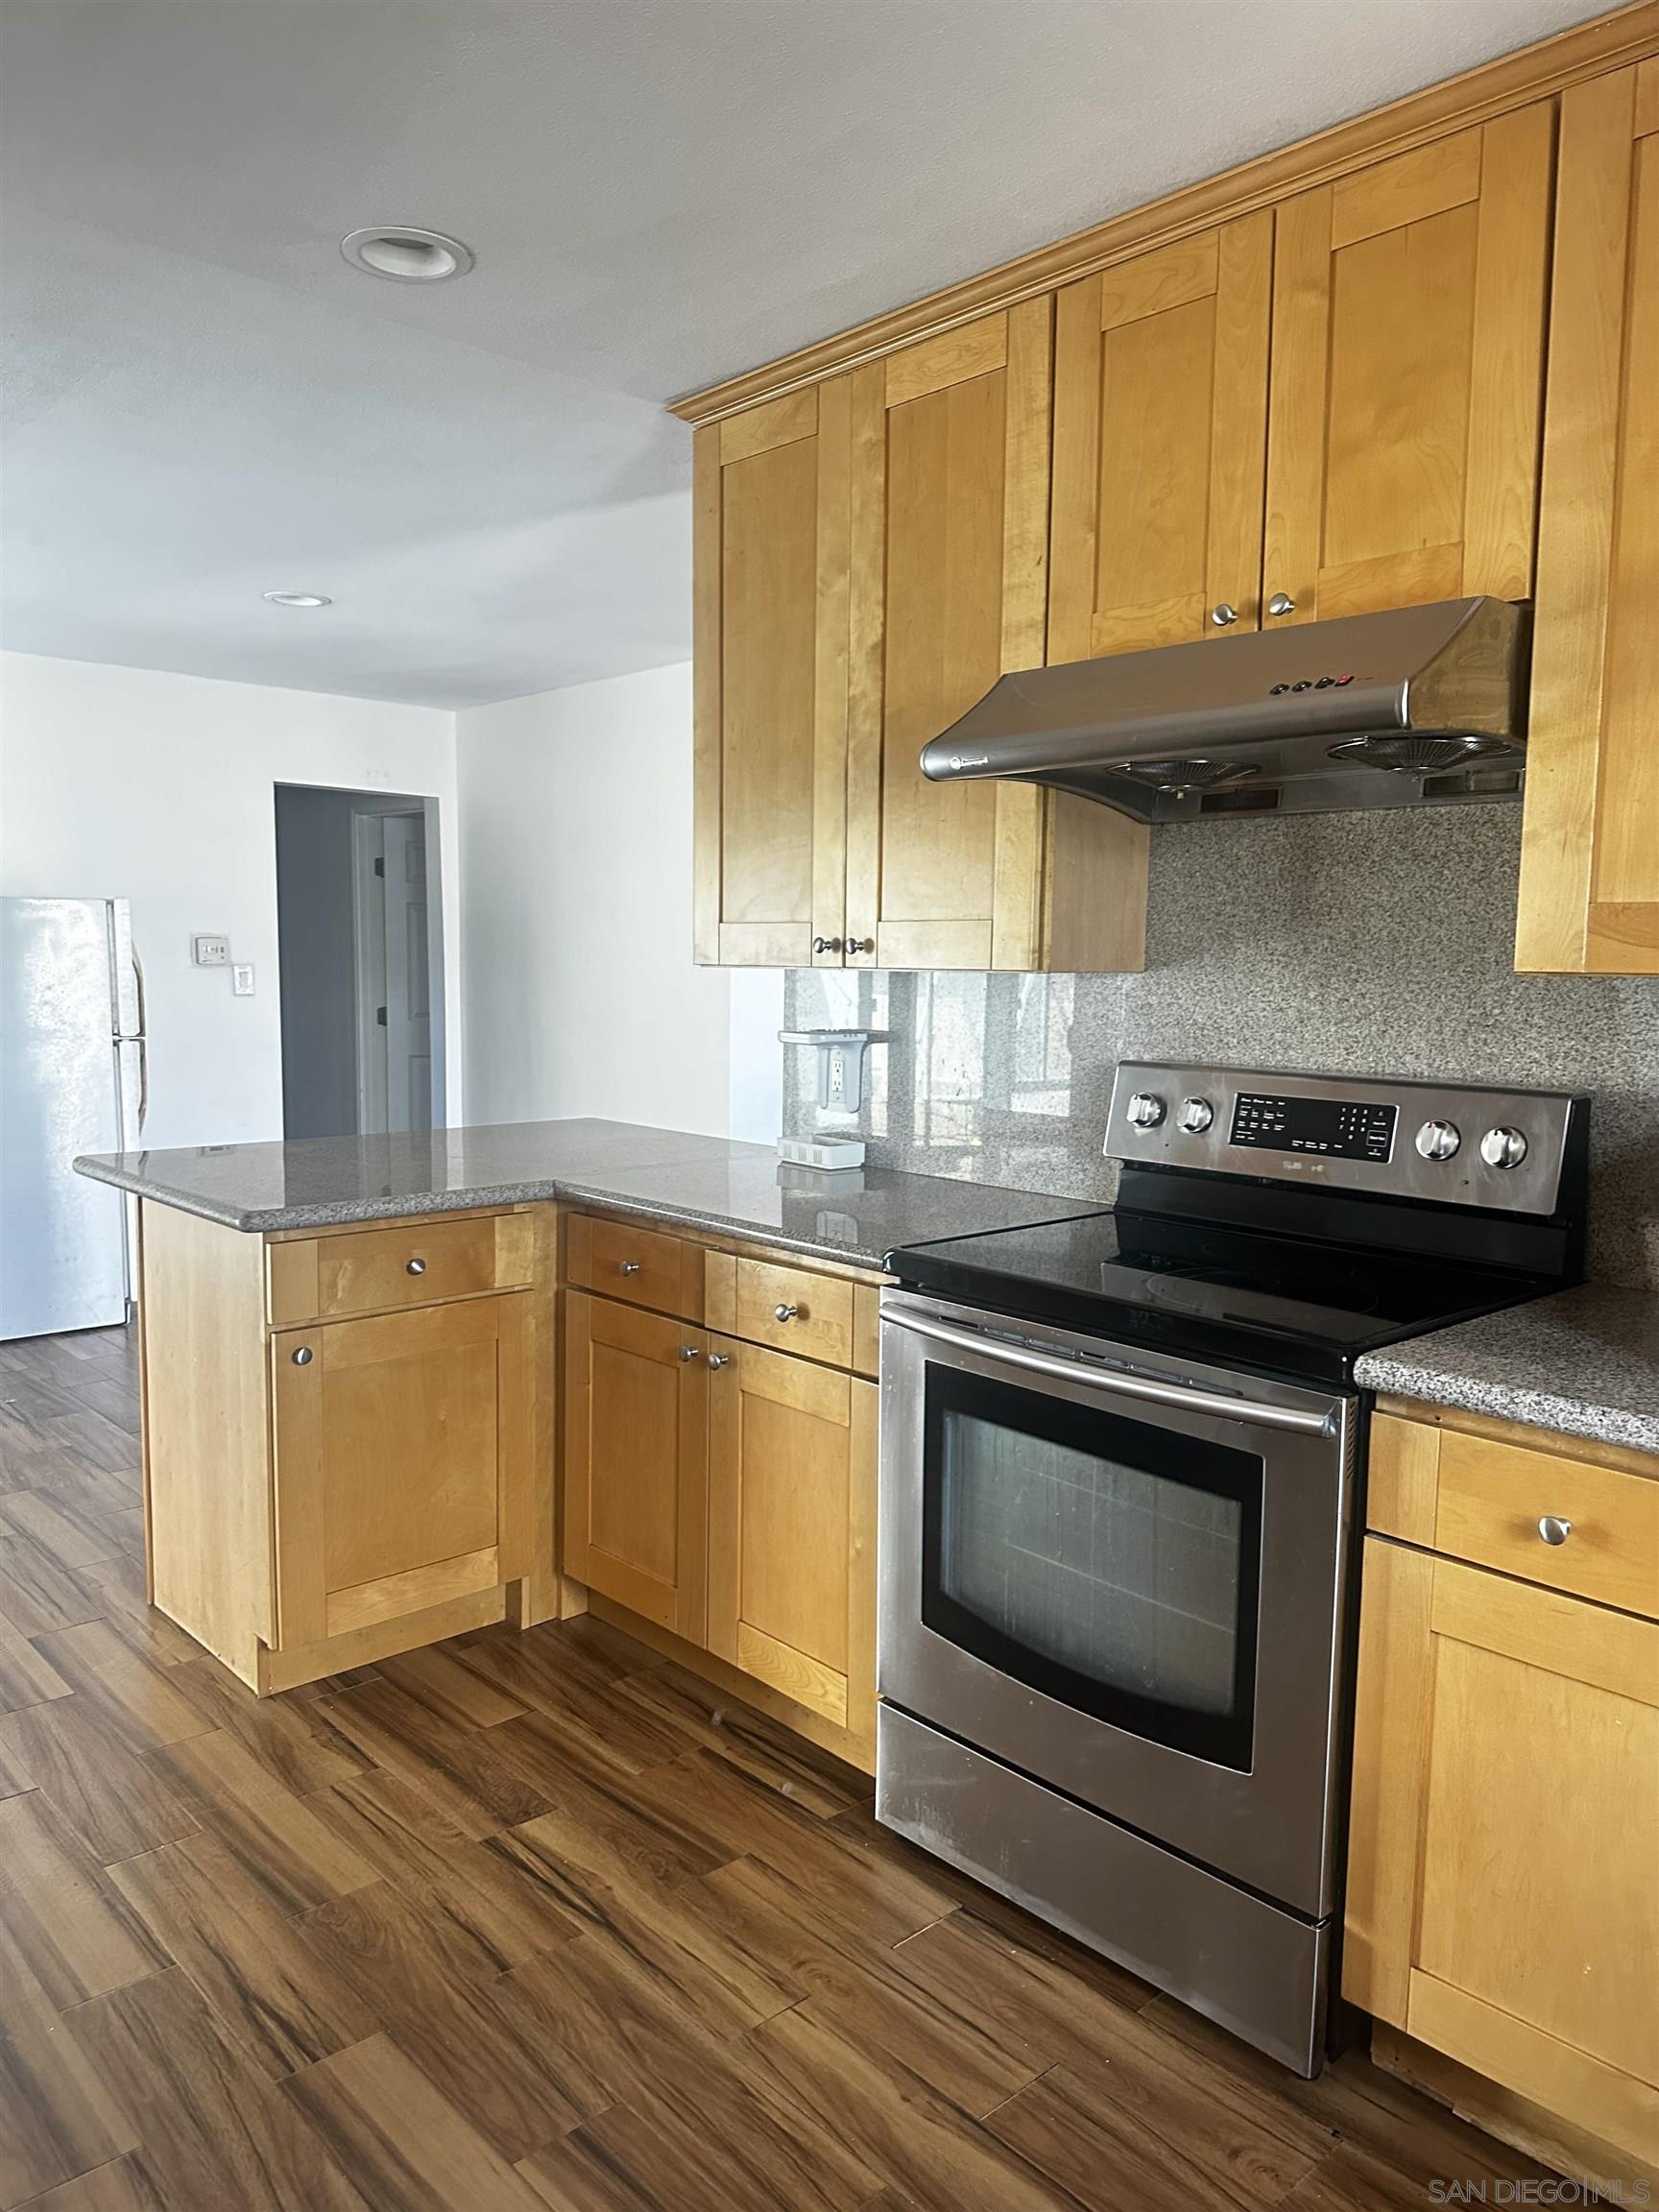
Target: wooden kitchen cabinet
{"points": [[951, 469], [1502, 1912], [1160, 445], [792, 1529], [346, 1454], [1590, 859], [401, 1457], [636, 1478], [772, 521], [1409, 319]]}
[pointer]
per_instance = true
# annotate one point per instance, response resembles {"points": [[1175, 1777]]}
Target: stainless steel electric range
{"points": [[1119, 1463]]}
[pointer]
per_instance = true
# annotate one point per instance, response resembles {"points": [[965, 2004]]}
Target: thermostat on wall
{"points": [[211, 951]]}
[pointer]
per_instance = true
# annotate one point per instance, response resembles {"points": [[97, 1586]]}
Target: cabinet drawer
{"points": [[787, 1307], [421, 1262], [642, 1266], [1493, 1498]]}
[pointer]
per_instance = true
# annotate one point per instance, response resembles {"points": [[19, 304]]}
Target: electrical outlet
{"points": [[242, 980], [212, 952]]}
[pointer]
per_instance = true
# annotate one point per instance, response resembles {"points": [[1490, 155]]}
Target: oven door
{"points": [[1123, 1574]]}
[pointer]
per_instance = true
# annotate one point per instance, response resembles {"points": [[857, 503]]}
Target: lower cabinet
{"points": [[792, 1529], [636, 1399], [402, 1463], [1503, 1872]]}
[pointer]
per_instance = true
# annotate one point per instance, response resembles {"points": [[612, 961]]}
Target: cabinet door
{"points": [[1501, 1902], [401, 1454], [1160, 446], [636, 1397], [792, 1529], [949, 555], [770, 674], [1408, 374], [1590, 859]]}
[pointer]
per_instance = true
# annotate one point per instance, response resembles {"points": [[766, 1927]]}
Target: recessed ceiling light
{"points": [[296, 598], [407, 253]]}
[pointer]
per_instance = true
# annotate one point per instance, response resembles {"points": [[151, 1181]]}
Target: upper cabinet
{"points": [[951, 450], [1344, 378], [1408, 376], [771, 555], [1160, 443], [1590, 862]]}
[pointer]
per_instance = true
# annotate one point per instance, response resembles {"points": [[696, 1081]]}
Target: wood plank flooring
{"points": [[541, 1920]]}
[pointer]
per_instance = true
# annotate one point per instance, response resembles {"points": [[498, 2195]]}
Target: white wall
{"points": [[579, 992], [127, 782]]}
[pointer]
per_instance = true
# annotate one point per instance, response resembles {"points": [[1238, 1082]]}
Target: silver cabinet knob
{"points": [[1553, 1530], [1503, 1148], [1195, 1116], [1438, 1140], [416, 1267], [302, 1357], [628, 1267], [1145, 1110], [1281, 603], [690, 1351], [1223, 617], [826, 944], [860, 944], [784, 1312], [719, 1359]]}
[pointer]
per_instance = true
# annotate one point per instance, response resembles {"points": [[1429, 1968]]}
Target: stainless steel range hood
{"points": [[1419, 706]]}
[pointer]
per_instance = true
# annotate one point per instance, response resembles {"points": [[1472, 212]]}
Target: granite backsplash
{"points": [[1376, 944]]}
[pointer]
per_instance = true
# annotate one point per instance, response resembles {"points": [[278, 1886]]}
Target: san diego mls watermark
{"points": [[1541, 2191]]}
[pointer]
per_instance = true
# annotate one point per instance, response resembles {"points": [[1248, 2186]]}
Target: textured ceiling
{"points": [[203, 402]]}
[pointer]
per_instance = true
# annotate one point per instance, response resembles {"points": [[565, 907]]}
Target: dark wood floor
{"points": [[536, 1921]]}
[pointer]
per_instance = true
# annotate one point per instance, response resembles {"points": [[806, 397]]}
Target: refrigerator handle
{"points": [[143, 1040]]}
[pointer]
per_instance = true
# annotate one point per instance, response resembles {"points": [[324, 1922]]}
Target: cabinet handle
{"points": [[784, 1312], [719, 1359], [690, 1351], [826, 944], [416, 1267], [302, 1357], [1223, 617], [628, 1267], [1554, 1530], [1281, 603], [860, 944]]}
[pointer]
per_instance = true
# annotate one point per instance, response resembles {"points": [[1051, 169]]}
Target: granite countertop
{"points": [[1584, 1362], [855, 1215]]}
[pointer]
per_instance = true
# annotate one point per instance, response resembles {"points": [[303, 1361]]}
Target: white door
{"points": [[408, 976]]}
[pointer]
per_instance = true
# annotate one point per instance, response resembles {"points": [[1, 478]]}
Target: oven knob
{"points": [[1145, 1110], [1503, 1148], [1438, 1140], [1195, 1116]]}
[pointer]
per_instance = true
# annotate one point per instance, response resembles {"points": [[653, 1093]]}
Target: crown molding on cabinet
{"points": [[1590, 49]]}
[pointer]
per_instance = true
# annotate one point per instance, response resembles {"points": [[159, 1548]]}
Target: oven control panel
{"points": [[1342, 1128], [1462, 1144]]}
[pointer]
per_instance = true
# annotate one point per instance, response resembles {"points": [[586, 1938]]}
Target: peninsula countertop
{"points": [[1584, 1362], [857, 1216]]}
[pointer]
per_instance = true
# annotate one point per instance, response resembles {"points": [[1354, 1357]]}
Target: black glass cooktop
{"points": [[1276, 1302]]}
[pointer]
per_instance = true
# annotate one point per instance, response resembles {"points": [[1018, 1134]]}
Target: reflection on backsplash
{"points": [[1376, 944]]}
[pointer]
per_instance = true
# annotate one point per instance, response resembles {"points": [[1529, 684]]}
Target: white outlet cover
{"points": [[242, 980], [211, 951]]}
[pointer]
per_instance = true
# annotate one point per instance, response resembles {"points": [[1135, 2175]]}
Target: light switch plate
{"points": [[242, 980], [212, 952]]}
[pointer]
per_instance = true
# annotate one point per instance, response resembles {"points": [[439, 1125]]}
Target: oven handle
{"points": [[1178, 1394]]}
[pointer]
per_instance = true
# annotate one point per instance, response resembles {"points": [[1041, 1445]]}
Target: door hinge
{"points": [[380, 1016], [379, 866]]}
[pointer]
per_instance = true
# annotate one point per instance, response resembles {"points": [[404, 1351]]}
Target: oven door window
{"points": [[1107, 1562]]}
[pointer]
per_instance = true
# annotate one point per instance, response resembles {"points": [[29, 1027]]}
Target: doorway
{"points": [[359, 919]]}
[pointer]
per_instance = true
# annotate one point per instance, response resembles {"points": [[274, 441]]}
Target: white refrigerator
{"points": [[73, 1078]]}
